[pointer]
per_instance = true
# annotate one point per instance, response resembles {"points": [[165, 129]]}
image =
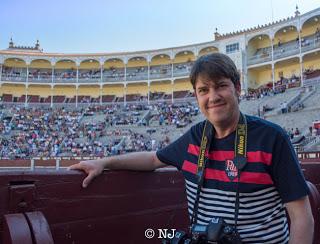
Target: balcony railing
{"points": [[161, 75], [14, 77], [285, 50], [260, 58], [310, 44], [60, 76]]}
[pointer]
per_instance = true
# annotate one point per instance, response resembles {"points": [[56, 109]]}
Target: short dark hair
{"points": [[215, 66]]}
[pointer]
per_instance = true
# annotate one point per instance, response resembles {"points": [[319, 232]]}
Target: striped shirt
{"points": [[271, 177]]}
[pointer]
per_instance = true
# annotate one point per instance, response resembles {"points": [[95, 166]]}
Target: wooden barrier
{"points": [[314, 198], [311, 171], [116, 207]]}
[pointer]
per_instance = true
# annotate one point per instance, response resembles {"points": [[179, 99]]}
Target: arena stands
{"points": [[53, 95], [93, 131]]}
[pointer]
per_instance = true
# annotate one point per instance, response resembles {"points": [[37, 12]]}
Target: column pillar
{"points": [[27, 85], [52, 75], [245, 80], [76, 95], [51, 102], [77, 75], [172, 69], [125, 94], [101, 82], [77, 81], [272, 64], [125, 82], [273, 76], [172, 85], [301, 72], [52, 82], [172, 82], [300, 57], [101, 86], [148, 92]]}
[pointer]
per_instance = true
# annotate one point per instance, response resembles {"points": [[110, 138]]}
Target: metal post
{"points": [[51, 102], [300, 57], [27, 81], [125, 95], [148, 82], [101, 81], [272, 64], [77, 80], [172, 81]]}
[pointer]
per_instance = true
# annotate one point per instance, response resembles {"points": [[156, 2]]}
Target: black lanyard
{"points": [[240, 160]]}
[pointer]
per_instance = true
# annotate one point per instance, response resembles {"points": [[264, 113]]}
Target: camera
{"points": [[217, 231]]}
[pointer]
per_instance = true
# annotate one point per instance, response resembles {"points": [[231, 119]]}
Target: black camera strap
{"points": [[240, 160], [207, 135]]}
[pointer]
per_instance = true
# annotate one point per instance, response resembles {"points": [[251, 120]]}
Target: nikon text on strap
{"points": [[240, 159], [207, 135]]}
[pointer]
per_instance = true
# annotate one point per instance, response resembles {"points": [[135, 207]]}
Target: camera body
{"points": [[217, 231]]}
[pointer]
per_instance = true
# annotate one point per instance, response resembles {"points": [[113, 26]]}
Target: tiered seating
{"points": [[312, 74], [108, 98], [59, 99], [95, 100], [190, 94], [119, 99], [156, 96], [313, 100], [45, 99], [294, 120], [271, 102], [133, 97], [71, 100], [33, 99], [7, 98], [180, 94], [84, 99], [22, 99]]}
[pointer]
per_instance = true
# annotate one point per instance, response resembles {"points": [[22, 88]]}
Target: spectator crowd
{"points": [[95, 131]]}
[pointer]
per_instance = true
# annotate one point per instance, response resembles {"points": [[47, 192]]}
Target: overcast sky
{"points": [[83, 26]]}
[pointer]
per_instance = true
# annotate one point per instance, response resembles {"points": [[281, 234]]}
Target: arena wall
{"points": [[138, 88], [117, 90], [162, 86], [93, 91], [39, 90], [14, 90]]}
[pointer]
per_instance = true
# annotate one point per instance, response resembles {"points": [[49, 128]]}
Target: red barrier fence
{"points": [[50, 205]]}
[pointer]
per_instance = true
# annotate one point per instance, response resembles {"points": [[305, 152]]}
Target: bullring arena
{"points": [[60, 108]]}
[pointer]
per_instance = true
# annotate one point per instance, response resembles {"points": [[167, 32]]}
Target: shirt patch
{"points": [[231, 169]]}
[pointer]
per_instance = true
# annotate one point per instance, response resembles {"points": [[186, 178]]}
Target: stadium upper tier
{"points": [[264, 55]]}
